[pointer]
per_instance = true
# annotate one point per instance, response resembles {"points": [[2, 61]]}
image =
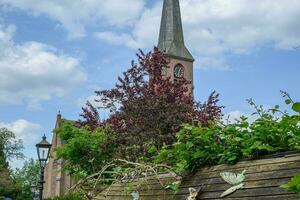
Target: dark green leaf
{"points": [[288, 101], [296, 107]]}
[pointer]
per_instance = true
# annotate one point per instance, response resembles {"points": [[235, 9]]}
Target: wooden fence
{"points": [[263, 180]]}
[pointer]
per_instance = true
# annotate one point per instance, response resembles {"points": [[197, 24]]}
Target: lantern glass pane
{"points": [[43, 153]]}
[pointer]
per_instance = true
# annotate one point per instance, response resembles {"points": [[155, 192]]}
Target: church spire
{"points": [[171, 39]]}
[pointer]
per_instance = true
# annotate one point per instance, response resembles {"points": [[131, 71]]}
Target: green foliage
{"points": [[296, 107], [25, 178], [227, 143], [71, 196], [174, 186], [195, 146], [86, 151], [6, 182], [289, 100], [293, 185], [10, 147]]}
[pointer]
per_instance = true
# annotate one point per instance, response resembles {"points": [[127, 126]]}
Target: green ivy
{"points": [[293, 185], [71, 196], [273, 131], [85, 151]]}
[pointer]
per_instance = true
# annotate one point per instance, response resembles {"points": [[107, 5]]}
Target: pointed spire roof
{"points": [[171, 38]]}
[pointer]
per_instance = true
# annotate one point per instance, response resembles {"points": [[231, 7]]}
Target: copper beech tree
{"points": [[147, 108]]}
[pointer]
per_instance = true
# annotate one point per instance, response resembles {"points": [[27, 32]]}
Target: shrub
{"points": [[227, 143], [71, 196], [293, 185], [85, 151]]}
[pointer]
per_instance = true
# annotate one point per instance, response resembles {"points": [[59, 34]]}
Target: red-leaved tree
{"points": [[147, 108], [90, 117]]}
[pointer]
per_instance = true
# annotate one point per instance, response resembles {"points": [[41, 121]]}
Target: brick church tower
{"points": [[171, 41], [57, 181]]}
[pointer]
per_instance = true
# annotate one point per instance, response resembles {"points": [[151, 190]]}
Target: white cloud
{"points": [[214, 28], [30, 133], [233, 116], [27, 131], [114, 38], [34, 72], [144, 34], [76, 15]]}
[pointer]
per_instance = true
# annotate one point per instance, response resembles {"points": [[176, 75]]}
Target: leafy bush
{"points": [[227, 143], [293, 185], [85, 151], [195, 146], [71, 196], [10, 147], [25, 178]]}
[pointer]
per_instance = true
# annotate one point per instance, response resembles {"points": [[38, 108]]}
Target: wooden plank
{"points": [[248, 185], [249, 169], [197, 180], [142, 193], [272, 197], [256, 192], [120, 197], [243, 164], [165, 181]]}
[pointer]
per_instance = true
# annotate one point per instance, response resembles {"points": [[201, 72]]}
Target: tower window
{"points": [[178, 72]]}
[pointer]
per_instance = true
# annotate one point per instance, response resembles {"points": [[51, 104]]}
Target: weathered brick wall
{"points": [[263, 180]]}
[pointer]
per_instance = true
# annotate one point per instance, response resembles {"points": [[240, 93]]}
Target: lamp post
{"points": [[43, 150]]}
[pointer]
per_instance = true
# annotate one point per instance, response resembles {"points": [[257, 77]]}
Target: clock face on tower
{"points": [[178, 71]]}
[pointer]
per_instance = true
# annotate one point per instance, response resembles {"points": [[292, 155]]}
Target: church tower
{"points": [[171, 41], [57, 181]]}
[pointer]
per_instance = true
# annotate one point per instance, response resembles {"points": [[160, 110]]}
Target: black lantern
{"points": [[43, 151]]}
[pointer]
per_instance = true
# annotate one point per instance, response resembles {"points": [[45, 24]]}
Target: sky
{"points": [[55, 53]]}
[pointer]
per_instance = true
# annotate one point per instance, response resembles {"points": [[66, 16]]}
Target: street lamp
{"points": [[43, 151]]}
